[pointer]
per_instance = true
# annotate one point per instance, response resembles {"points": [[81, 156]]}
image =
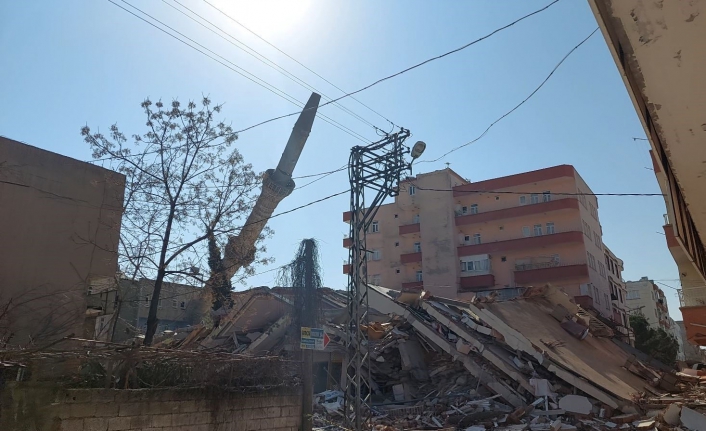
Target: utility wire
{"points": [[260, 57], [299, 63], [411, 67], [518, 105], [235, 68]]}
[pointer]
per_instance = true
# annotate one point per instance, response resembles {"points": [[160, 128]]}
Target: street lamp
{"points": [[379, 167]]}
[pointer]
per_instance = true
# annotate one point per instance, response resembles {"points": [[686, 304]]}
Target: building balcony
{"points": [[532, 242], [548, 272], [409, 228], [518, 211], [470, 283], [584, 301], [411, 257], [347, 268], [347, 242], [347, 216], [693, 311], [413, 286]]}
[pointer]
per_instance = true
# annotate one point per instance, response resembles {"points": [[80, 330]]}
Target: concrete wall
{"points": [[59, 229], [44, 409]]}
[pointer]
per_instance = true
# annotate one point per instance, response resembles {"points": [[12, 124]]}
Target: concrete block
{"points": [[95, 424], [164, 407], [106, 409], [131, 409], [72, 425], [191, 406], [253, 425], [78, 396], [273, 412], [181, 419], [140, 422], [200, 418], [103, 396], [159, 421], [118, 424], [81, 410]]}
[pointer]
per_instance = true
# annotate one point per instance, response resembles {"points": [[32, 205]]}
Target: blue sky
{"points": [[75, 62]]}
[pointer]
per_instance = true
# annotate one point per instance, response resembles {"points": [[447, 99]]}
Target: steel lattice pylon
{"points": [[378, 167]]}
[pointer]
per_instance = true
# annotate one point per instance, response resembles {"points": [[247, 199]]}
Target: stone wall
{"points": [[40, 408]]}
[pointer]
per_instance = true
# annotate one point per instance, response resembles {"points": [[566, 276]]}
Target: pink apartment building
{"points": [[458, 239]]}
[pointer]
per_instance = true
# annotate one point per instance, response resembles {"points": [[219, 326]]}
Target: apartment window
{"points": [[538, 230], [550, 228], [416, 219], [376, 255], [464, 210], [534, 198], [397, 271], [601, 269], [467, 239], [159, 305], [586, 229], [396, 216], [591, 260], [174, 303], [417, 247], [412, 190], [596, 296], [474, 209], [546, 196], [633, 294], [607, 300], [397, 244], [620, 295], [476, 238], [525, 231], [182, 305], [475, 264], [375, 227], [419, 275], [523, 200]]}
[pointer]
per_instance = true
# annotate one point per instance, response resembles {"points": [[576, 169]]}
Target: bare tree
{"points": [[185, 182]]}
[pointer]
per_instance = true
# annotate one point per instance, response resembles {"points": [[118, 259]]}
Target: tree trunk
{"points": [[152, 320]]}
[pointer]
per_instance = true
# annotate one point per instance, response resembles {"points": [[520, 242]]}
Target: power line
{"points": [[262, 58], [235, 68], [412, 67], [519, 104], [298, 62]]}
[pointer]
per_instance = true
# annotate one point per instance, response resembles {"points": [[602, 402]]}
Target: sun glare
{"points": [[268, 18]]}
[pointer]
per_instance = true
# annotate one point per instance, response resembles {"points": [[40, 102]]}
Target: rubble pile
{"points": [[442, 364]]}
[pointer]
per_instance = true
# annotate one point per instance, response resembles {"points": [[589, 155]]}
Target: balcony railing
{"points": [[536, 265], [692, 296]]}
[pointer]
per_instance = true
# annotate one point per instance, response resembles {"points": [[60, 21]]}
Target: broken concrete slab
{"points": [[412, 357], [671, 415], [576, 404], [692, 419]]}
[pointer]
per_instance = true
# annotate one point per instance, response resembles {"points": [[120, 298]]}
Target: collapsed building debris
{"points": [[537, 362]]}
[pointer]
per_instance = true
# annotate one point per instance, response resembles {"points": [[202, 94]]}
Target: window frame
{"points": [[537, 228], [553, 228]]}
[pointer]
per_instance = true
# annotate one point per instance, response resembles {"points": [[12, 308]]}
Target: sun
{"points": [[268, 18]]}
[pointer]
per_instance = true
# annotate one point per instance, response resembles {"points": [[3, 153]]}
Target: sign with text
{"points": [[313, 339]]}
